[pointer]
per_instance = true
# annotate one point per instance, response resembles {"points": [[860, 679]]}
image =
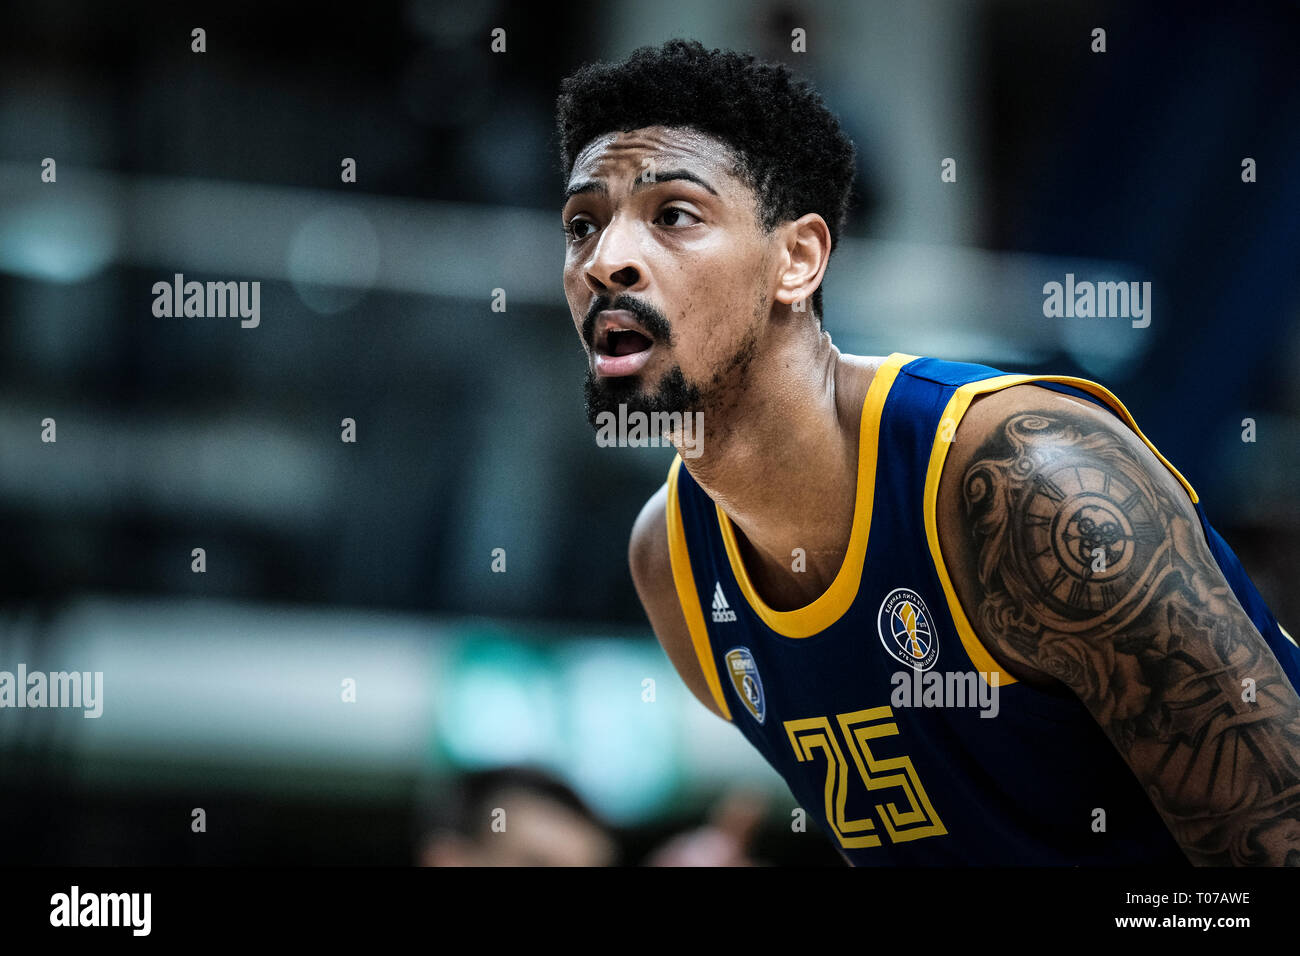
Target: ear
{"points": [[805, 250]]}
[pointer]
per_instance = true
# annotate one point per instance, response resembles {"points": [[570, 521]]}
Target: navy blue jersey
{"points": [[876, 702]]}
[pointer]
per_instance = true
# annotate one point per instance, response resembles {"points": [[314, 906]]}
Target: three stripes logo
{"points": [[722, 612]]}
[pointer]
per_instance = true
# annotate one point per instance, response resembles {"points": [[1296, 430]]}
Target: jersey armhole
{"points": [[687, 595]]}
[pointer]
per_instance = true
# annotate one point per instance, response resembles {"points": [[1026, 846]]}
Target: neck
{"points": [[782, 462]]}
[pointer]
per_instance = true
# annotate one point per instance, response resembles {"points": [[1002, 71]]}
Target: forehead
{"points": [[622, 153]]}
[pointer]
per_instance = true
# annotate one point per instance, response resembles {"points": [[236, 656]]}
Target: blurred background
{"points": [[371, 562]]}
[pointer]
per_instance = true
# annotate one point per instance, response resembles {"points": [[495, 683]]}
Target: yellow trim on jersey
{"points": [[687, 596], [956, 408], [1286, 634], [838, 598]]}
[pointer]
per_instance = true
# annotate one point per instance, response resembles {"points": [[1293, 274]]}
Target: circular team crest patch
{"points": [[906, 629]]}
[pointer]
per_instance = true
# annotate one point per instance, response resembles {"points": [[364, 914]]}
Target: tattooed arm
{"points": [[1080, 559]]}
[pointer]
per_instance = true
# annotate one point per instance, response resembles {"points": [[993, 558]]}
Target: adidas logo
{"points": [[722, 611]]}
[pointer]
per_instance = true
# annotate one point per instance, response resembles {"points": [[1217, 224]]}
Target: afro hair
{"points": [[789, 147]]}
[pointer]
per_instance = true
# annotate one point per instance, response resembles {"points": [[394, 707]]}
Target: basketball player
{"points": [[970, 617]]}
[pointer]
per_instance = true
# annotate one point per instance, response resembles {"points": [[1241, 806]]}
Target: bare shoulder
{"points": [[997, 416], [1013, 459], [1039, 431], [648, 553], [650, 560]]}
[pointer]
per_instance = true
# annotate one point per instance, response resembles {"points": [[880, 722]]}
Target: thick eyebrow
{"points": [[597, 186], [586, 186]]}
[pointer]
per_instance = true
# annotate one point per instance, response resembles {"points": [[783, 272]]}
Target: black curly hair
{"points": [[789, 146]]}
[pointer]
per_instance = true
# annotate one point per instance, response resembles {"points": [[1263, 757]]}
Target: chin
{"points": [[672, 394], [607, 394]]}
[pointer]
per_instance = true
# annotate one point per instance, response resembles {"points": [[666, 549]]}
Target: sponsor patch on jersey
{"points": [[907, 630], [745, 680]]}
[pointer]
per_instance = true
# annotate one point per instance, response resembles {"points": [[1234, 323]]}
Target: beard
{"points": [[672, 394]]}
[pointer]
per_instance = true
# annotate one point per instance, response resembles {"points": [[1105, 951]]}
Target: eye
{"points": [[678, 212], [572, 227]]}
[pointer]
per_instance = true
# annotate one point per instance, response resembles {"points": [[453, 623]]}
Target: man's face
{"points": [[666, 270]]}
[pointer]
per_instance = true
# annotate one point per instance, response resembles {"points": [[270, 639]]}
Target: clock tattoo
{"points": [[1085, 538], [1092, 567]]}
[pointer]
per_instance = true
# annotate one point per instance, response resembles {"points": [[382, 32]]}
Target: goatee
{"points": [[673, 394]]}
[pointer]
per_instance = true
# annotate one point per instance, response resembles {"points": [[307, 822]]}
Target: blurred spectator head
{"points": [[513, 816], [725, 840]]}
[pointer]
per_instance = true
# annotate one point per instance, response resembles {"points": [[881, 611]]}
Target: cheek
{"points": [[704, 301], [727, 282], [700, 344], [575, 295]]}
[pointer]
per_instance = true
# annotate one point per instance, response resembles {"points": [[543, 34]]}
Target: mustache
{"points": [[650, 318]]}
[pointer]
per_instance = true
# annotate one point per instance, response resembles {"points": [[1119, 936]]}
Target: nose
{"points": [[615, 265]]}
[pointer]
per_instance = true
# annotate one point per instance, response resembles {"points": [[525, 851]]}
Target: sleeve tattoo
{"points": [[1092, 570]]}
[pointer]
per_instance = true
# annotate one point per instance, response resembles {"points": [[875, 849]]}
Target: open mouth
{"points": [[625, 342], [621, 346]]}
